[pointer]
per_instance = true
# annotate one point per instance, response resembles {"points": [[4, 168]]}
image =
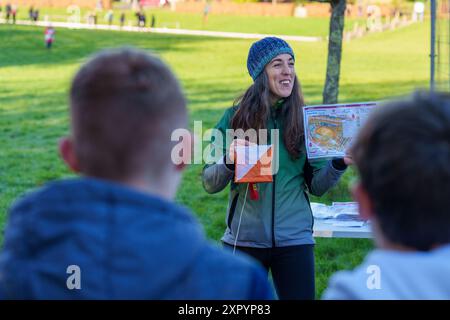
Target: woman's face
{"points": [[281, 74]]}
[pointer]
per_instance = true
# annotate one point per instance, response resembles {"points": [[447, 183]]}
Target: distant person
{"points": [[90, 17], [109, 17], [8, 10], [49, 36], [373, 22], [117, 225], [153, 21], [31, 13], [14, 12], [122, 19], [360, 10], [142, 19], [403, 155], [36, 15], [206, 10], [418, 11], [138, 17], [348, 10]]}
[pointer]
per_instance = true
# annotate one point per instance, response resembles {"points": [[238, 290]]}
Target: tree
{"points": [[331, 88]]}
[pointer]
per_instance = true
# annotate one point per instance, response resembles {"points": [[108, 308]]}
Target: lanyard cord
{"points": [[240, 219]]}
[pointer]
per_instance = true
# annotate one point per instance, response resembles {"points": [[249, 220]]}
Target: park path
{"points": [[203, 33]]}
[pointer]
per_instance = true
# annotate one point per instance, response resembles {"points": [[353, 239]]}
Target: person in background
{"points": [[36, 15], [122, 19], [114, 232], [31, 13], [402, 155], [49, 36], [153, 21], [14, 9], [8, 10], [109, 17], [206, 11]]}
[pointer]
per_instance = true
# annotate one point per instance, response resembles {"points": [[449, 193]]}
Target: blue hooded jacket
{"points": [[127, 245]]}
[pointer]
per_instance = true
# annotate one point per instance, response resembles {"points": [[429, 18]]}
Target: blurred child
{"points": [[49, 36], [403, 155], [115, 232]]}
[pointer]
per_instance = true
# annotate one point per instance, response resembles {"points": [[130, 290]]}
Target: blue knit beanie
{"points": [[263, 51]]}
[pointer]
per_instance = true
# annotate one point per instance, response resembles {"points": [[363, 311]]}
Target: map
{"points": [[330, 129]]}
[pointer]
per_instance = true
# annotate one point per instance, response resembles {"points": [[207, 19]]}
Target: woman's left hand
{"points": [[348, 160]]}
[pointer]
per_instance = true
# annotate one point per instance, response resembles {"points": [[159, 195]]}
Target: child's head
{"points": [[403, 158], [124, 106]]}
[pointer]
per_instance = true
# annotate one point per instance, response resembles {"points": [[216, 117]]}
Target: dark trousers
{"points": [[292, 269]]}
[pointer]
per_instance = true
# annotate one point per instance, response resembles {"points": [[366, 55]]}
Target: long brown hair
{"points": [[254, 110]]}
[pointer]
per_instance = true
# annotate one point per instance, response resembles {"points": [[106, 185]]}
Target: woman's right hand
{"points": [[231, 156]]}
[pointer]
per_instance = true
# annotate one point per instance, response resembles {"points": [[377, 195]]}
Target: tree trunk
{"points": [[331, 89]]}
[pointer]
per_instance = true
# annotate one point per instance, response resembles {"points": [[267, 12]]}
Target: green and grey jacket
{"points": [[282, 215]]}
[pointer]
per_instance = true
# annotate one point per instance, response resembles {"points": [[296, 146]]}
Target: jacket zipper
{"points": [[310, 210], [232, 209], [273, 211], [273, 197]]}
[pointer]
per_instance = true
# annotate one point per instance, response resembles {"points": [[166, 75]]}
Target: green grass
{"points": [[33, 104], [164, 18]]}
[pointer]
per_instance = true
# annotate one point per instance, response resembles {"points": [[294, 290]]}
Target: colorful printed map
{"points": [[330, 129]]}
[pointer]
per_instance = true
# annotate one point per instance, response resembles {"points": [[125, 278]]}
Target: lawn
{"points": [[33, 104], [164, 18]]}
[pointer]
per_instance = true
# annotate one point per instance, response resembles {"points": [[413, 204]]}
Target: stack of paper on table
{"points": [[341, 214]]}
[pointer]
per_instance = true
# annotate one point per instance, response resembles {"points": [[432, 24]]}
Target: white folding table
{"points": [[325, 229]]}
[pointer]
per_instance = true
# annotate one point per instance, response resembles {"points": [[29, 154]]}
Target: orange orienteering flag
{"points": [[253, 164]]}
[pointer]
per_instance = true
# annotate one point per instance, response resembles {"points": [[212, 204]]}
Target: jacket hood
{"points": [[118, 237]]}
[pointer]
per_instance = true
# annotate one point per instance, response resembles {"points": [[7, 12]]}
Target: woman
{"points": [[277, 228]]}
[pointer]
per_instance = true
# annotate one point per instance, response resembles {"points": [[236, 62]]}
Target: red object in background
{"points": [[49, 34], [254, 195]]}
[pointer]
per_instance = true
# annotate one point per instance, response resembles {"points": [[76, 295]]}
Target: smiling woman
{"points": [[275, 227], [281, 73]]}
